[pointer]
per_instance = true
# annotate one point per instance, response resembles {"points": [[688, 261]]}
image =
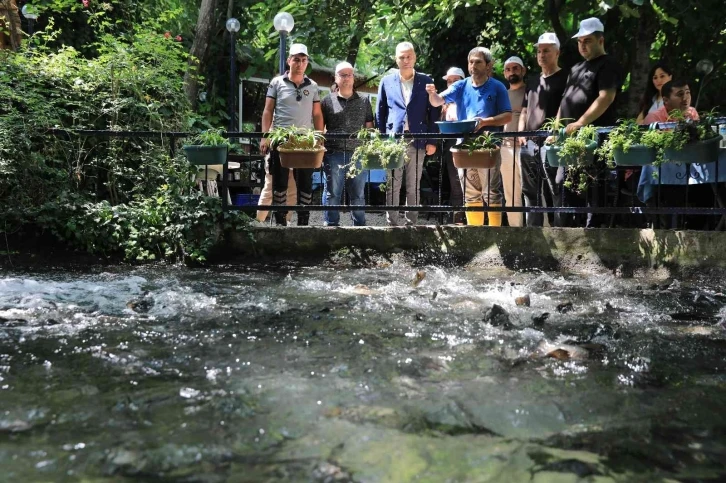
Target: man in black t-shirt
{"points": [[541, 102], [590, 95], [594, 83]]}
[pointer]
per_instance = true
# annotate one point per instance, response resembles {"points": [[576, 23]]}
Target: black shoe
{"points": [[280, 218], [303, 219]]}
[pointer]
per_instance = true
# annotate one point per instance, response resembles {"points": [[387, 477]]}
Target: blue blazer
{"points": [[391, 109]]}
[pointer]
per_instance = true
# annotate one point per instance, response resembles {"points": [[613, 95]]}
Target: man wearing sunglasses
{"points": [[292, 100]]}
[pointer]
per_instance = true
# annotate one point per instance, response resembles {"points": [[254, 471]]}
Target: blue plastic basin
{"points": [[456, 127]]}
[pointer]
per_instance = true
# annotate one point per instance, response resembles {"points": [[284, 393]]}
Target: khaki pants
{"points": [[266, 194], [512, 182], [483, 185], [413, 171]]}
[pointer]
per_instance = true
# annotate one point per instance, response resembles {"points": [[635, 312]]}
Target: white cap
{"points": [[298, 49], [549, 38], [589, 26], [513, 60], [454, 71], [343, 65]]}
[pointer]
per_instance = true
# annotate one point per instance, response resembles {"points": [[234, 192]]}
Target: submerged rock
{"points": [[564, 307]]}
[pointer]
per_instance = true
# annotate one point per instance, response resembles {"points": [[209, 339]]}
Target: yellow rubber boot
{"points": [[495, 217], [475, 218]]}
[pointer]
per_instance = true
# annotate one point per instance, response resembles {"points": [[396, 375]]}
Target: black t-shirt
{"points": [[586, 81], [542, 98]]}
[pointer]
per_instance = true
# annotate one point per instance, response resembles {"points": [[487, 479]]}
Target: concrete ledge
{"points": [[567, 249]]}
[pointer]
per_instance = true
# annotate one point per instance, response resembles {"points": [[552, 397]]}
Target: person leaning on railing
{"points": [[448, 113]]}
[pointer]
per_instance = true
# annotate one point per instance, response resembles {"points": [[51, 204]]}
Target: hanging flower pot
{"points": [[380, 162], [204, 155], [636, 155], [696, 152], [476, 159], [304, 159], [577, 150]]}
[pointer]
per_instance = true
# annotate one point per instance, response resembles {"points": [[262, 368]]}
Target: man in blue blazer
{"points": [[404, 107]]}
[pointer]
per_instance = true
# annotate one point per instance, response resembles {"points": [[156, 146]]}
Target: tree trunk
{"points": [[200, 49], [640, 64], [358, 34], [10, 22]]}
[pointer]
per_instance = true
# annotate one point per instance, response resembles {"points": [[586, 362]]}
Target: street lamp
{"points": [[232, 28], [30, 13], [703, 67], [283, 23]]}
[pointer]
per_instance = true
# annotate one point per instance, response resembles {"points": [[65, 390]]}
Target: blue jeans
{"points": [[334, 181]]}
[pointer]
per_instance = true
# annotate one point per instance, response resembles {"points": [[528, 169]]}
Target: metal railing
{"points": [[607, 185]]}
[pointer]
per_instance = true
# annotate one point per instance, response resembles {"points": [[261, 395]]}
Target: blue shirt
{"points": [[486, 100]]}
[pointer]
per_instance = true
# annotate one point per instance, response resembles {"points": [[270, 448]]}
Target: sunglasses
{"points": [[298, 98], [344, 76]]}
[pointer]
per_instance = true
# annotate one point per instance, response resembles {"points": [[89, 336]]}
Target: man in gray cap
{"points": [[591, 91], [514, 71], [448, 113], [292, 100], [541, 102]]}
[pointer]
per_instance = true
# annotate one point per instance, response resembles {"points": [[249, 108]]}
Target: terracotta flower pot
{"points": [[292, 158], [479, 159]]}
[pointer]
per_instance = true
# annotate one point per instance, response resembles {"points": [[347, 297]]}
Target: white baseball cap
{"points": [[589, 26], [343, 65], [549, 38], [513, 60], [298, 49], [454, 71]]}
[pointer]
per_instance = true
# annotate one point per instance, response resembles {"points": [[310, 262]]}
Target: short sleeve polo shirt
{"points": [[293, 104]]}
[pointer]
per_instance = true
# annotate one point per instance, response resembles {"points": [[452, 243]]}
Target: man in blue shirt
{"points": [[403, 107], [485, 98]]}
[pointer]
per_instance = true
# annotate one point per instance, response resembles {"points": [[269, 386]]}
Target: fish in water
{"points": [[418, 278], [568, 351]]}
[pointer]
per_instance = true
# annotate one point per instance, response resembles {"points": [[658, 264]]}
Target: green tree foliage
{"points": [[120, 195]]}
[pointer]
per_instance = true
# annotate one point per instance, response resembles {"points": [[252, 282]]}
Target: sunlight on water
{"points": [[169, 372]]}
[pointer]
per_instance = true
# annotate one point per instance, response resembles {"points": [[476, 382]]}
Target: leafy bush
{"points": [[109, 195]]}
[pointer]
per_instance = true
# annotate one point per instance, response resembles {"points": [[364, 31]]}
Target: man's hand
{"points": [[264, 145], [431, 88], [521, 141], [571, 128], [430, 149]]}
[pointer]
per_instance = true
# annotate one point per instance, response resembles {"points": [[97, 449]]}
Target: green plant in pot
{"points": [[377, 151], [693, 141], [477, 152], [630, 145], [299, 147], [575, 153], [208, 147]]}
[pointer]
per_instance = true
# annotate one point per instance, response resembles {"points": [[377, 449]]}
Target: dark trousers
{"points": [[539, 185], [304, 180]]}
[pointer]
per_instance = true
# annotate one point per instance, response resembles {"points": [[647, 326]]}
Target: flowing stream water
{"points": [[393, 373]]}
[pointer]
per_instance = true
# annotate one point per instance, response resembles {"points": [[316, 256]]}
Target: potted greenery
{"points": [[693, 141], [298, 147], [377, 152], [577, 150], [575, 153], [208, 147], [479, 152], [629, 145]]}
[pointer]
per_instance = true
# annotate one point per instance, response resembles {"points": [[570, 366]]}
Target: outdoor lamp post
{"points": [[703, 67], [283, 23], [232, 28], [30, 13]]}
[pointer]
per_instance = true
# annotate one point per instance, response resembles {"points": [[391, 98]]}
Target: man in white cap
{"points": [[344, 111], [592, 88], [541, 102], [514, 72], [292, 100], [448, 113]]}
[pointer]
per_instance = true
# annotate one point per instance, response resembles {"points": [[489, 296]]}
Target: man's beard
{"points": [[514, 79]]}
